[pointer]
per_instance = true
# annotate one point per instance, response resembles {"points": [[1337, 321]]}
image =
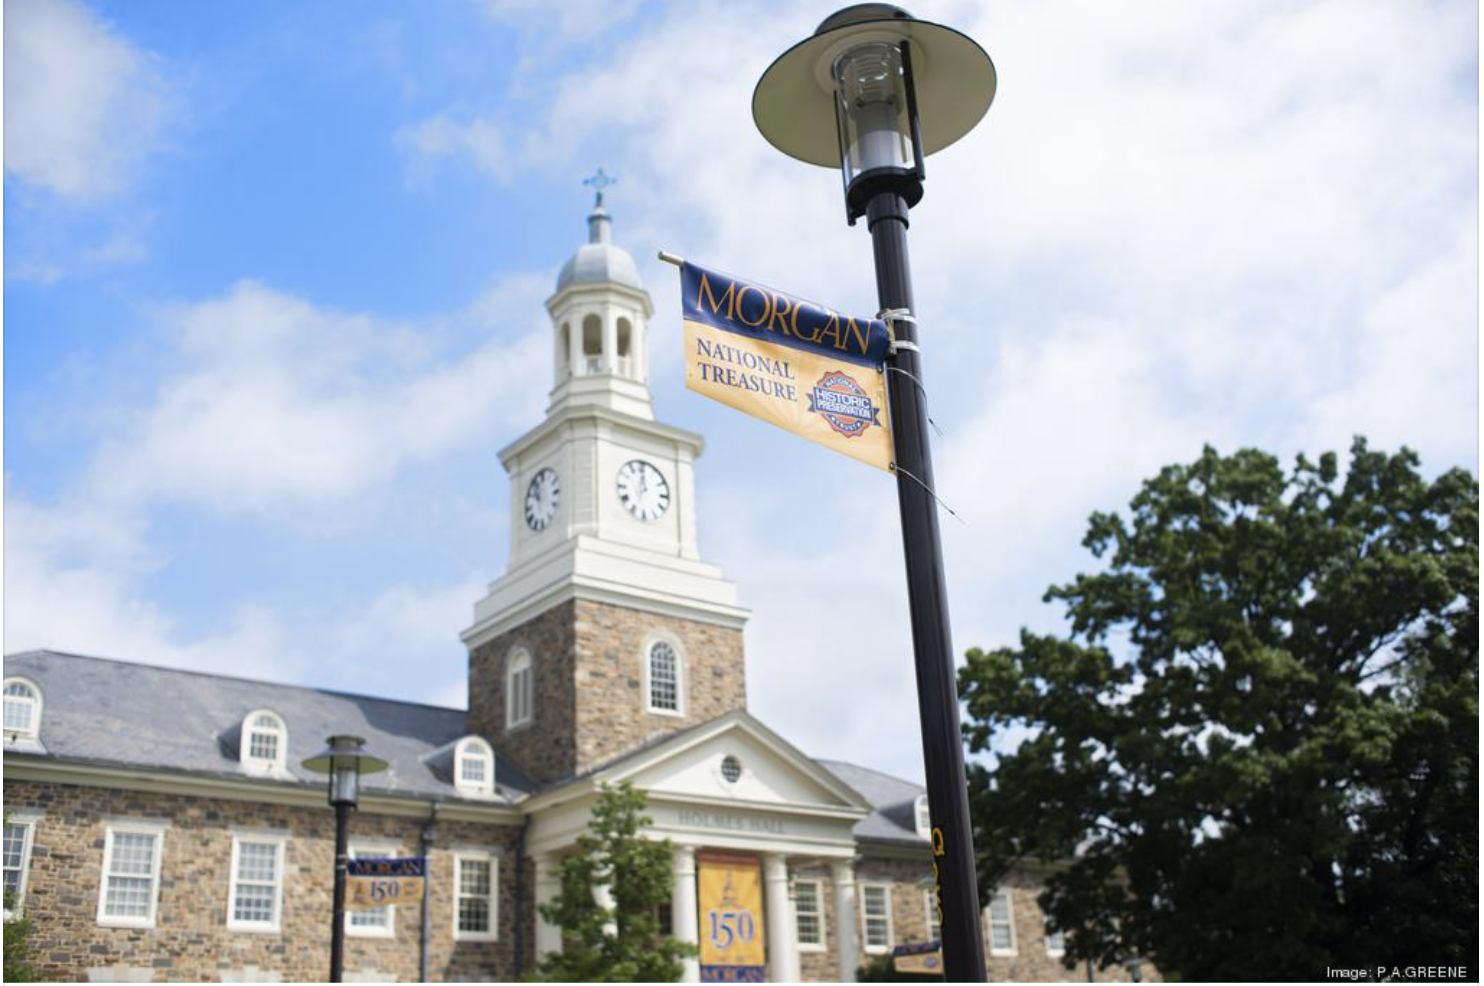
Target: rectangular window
{"points": [[876, 916], [471, 769], [476, 877], [1056, 942], [130, 890], [808, 916], [17, 852], [375, 922], [256, 893], [1001, 925], [263, 746], [934, 925]]}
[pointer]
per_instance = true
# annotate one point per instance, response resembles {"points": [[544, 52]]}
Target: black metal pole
{"points": [[337, 927], [927, 594]]}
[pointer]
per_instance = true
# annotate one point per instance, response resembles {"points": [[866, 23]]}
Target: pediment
{"points": [[772, 771]]}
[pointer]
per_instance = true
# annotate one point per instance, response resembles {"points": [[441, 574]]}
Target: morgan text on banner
{"points": [[803, 367]]}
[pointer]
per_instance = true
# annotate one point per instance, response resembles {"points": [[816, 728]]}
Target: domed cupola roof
{"points": [[598, 261]]}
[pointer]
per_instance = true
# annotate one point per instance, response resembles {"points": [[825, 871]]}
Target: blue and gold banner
{"points": [[730, 891], [377, 882], [801, 366]]}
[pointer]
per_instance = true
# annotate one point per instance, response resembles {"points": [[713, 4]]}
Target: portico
{"points": [[729, 786]]}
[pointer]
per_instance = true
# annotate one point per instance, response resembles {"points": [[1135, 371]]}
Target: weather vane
{"points": [[599, 181]]}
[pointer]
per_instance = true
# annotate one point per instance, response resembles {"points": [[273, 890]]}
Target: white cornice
{"points": [[562, 417], [231, 789]]}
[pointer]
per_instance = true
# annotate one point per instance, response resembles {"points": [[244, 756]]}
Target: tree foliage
{"points": [[1255, 755], [625, 943]]}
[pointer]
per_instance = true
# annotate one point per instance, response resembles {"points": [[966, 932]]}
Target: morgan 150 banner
{"points": [[730, 891], [378, 882], [801, 366]]}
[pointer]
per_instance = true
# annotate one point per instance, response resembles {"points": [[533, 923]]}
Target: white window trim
{"points": [[132, 826], [1009, 920], [1046, 933], [362, 849], [680, 675], [280, 841], [930, 912], [891, 935], [824, 936], [511, 722], [35, 731], [485, 752], [919, 810], [27, 820], [493, 859], [279, 765]]}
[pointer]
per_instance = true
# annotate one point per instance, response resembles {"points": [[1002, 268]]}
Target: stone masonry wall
{"points": [[589, 685], [190, 940], [611, 716], [546, 746], [907, 878]]}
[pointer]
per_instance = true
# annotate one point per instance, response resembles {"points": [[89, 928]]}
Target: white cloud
{"points": [[277, 403], [82, 105], [74, 580]]}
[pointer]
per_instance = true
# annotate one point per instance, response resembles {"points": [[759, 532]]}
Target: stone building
{"points": [[160, 826]]}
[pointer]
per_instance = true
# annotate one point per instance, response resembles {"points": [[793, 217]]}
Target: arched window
{"points": [[22, 708], [625, 347], [663, 674], [564, 347], [265, 742], [474, 766], [592, 344], [519, 689]]}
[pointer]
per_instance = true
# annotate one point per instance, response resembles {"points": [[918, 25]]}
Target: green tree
{"points": [[627, 942], [1255, 754]]}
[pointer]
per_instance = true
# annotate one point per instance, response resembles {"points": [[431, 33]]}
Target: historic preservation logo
{"points": [[844, 404]]}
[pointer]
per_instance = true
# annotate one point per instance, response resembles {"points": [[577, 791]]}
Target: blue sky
{"points": [[274, 276]]}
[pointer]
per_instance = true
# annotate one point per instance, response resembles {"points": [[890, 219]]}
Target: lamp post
{"points": [[849, 97], [345, 760]]}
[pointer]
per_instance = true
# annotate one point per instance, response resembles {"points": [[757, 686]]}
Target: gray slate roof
{"points": [[893, 800], [104, 711]]}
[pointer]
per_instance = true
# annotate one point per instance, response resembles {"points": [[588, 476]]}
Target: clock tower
{"points": [[607, 630]]}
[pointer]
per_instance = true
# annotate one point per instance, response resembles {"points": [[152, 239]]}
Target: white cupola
{"points": [[600, 316]]}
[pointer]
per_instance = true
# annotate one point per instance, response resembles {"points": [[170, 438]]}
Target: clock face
{"points": [[541, 499], [642, 490]]}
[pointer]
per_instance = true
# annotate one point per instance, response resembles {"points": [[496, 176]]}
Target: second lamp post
{"points": [[345, 760]]}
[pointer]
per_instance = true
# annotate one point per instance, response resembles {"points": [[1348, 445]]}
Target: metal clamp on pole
{"points": [[891, 316]]}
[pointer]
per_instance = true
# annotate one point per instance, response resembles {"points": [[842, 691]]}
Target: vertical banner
{"points": [[800, 366], [730, 893]]}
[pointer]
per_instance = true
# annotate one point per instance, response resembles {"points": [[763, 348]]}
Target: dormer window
{"points": [[923, 817], [22, 708], [474, 767], [265, 741]]}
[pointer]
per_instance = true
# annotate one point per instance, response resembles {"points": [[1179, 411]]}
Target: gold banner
{"points": [[839, 404], [730, 890], [367, 892]]}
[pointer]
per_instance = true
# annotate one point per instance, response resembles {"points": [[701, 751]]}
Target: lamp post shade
{"points": [[794, 102], [345, 760]]}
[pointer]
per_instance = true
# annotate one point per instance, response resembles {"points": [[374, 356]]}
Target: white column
{"points": [[847, 950], [603, 894], [683, 914], [610, 341], [783, 947], [548, 936]]}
